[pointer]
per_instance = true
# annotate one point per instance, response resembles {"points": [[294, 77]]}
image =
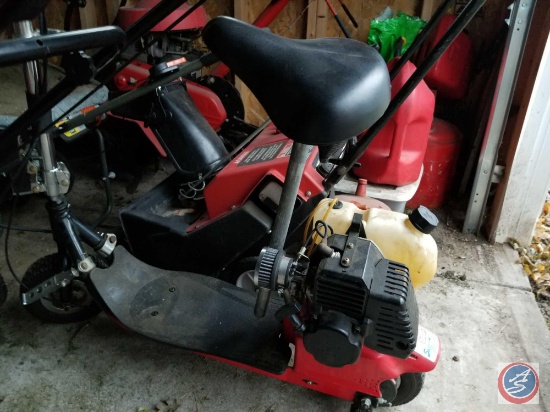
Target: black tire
{"points": [[409, 387], [3, 291], [80, 307]]}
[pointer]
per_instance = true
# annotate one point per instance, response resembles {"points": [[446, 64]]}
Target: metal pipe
{"points": [[293, 176], [32, 48], [355, 153], [30, 69], [89, 236], [49, 166], [422, 36], [63, 231]]}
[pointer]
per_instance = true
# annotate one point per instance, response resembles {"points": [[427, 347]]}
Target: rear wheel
{"points": [[242, 273], [70, 304], [409, 387]]}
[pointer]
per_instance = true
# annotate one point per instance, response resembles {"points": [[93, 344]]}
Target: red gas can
{"points": [[439, 165], [395, 155], [451, 75]]}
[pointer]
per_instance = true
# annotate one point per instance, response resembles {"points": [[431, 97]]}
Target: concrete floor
{"points": [[479, 304]]}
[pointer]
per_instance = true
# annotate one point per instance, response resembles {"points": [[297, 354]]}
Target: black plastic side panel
{"points": [[190, 142], [160, 238], [191, 311]]}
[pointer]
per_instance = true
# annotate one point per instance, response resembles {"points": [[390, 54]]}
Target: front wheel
{"points": [[70, 304]]}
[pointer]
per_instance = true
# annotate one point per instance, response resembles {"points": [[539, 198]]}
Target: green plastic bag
{"points": [[383, 34]]}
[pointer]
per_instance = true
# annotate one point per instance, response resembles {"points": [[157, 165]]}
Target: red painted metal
{"points": [[451, 75], [265, 18], [395, 155], [267, 155], [208, 103], [132, 76], [128, 15], [365, 376], [439, 165]]}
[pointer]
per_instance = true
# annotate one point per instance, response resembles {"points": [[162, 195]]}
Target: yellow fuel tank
{"points": [[399, 238]]}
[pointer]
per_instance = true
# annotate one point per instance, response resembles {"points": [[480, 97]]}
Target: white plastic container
{"points": [[396, 197], [393, 233]]}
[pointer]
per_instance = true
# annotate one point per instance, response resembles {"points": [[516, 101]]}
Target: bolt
{"points": [[64, 282], [308, 193], [345, 261], [351, 245], [366, 403], [309, 382], [211, 80], [33, 170], [455, 358], [172, 289], [233, 207], [64, 182], [112, 239], [83, 266], [154, 313], [36, 189]]}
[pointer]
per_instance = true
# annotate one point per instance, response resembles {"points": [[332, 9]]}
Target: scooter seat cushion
{"points": [[317, 92]]}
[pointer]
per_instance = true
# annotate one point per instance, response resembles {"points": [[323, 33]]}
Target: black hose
{"points": [[108, 193]]}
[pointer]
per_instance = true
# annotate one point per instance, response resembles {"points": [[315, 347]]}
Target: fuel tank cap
{"points": [[423, 219]]}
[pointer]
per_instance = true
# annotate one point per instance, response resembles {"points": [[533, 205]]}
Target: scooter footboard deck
{"points": [[192, 311]]}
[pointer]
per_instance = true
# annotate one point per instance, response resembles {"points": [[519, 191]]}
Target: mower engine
{"points": [[179, 42], [360, 298]]}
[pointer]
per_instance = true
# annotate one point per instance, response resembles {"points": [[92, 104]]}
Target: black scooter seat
{"points": [[192, 311], [317, 92]]}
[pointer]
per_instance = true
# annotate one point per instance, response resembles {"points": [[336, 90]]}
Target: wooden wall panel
{"points": [[291, 22]]}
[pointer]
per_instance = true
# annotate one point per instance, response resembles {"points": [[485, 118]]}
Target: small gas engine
{"points": [[353, 296], [360, 298]]}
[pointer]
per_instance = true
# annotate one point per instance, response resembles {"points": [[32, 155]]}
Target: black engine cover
{"points": [[334, 343], [361, 298]]}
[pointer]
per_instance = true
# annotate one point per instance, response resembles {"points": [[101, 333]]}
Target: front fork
{"points": [[53, 178], [69, 232]]}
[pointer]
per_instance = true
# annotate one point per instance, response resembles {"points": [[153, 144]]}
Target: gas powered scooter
{"points": [[348, 312]]}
